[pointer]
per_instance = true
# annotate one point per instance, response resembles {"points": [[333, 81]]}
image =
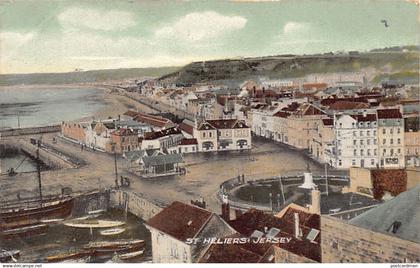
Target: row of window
{"points": [[391, 141], [391, 130]]}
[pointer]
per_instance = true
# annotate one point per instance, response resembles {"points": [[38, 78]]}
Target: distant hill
{"points": [[83, 76], [393, 60]]}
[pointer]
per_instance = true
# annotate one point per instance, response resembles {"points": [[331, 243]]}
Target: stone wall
{"points": [[84, 203], [134, 203], [343, 242], [30, 130], [284, 256]]}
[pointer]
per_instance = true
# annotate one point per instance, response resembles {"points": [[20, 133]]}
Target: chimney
{"points": [[297, 228], [315, 207], [225, 208]]}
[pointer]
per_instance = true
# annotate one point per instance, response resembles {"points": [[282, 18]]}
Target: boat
{"points": [[113, 231], [9, 255], [131, 255], [114, 244], [30, 211], [25, 231], [99, 211], [94, 223], [52, 220], [69, 257]]}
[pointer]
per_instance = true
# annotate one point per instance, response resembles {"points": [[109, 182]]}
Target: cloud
{"points": [[95, 19], [245, 1], [10, 42], [200, 26], [292, 27]]}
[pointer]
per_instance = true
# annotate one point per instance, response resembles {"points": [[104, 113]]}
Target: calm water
{"points": [[44, 106], [20, 162]]}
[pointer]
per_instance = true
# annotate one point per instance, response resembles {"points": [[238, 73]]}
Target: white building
{"points": [[174, 227], [391, 138], [222, 135], [163, 139], [355, 143]]}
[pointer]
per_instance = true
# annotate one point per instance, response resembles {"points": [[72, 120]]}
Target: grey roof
{"points": [[403, 212], [162, 159]]}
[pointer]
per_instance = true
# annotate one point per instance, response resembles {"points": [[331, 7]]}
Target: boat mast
{"points": [[38, 167]]}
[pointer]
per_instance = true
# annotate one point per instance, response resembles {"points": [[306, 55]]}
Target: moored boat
{"points": [[113, 231], [131, 255], [25, 231], [9, 255], [114, 244], [69, 257], [94, 223]]}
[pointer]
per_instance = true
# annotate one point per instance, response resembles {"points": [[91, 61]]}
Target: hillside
{"points": [[83, 77], [290, 66]]}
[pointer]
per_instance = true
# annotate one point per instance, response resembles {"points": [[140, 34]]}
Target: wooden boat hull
{"points": [[131, 255], [72, 256], [13, 217], [114, 244], [115, 231], [24, 231]]}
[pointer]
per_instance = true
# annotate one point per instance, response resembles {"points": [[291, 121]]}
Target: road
{"points": [[205, 172]]}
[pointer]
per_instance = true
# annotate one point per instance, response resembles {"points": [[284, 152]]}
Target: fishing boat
{"points": [[131, 255], [113, 231], [94, 223], [9, 255], [25, 231], [120, 247], [69, 257], [29, 211]]}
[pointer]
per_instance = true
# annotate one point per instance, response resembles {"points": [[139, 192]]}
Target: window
{"points": [[361, 152], [354, 152], [372, 162], [375, 152], [398, 130], [374, 133], [204, 134], [367, 133], [354, 142], [354, 133], [384, 151], [383, 141], [339, 152], [353, 162], [368, 152], [399, 150], [361, 133], [399, 141], [339, 162], [391, 141], [392, 152], [374, 141], [391, 131], [361, 142], [210, 134], [383, 131], [368, 141]]}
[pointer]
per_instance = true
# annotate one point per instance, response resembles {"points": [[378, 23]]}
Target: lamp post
{"points": [[115, 163]]}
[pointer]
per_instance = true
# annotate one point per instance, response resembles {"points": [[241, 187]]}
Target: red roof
{"points": [[227, 123], [152, 120], [348, 105], [282, 114], [389, 114], [254, 219], [188, 142], [266, 93], [161, 133], [124, 132], [186, 128], [180, 220]]}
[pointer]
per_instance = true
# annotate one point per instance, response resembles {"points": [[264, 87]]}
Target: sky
{"points": [[59, 36]]}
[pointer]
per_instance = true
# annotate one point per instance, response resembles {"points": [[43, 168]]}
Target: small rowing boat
{"points": [[113, 231], [69, 257], [9, 255], [131, 255], [52, 220], [94, 223]]}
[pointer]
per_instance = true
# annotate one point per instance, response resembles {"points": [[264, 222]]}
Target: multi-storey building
{"points": [[355, 142], [390, 138], [222, 135]]}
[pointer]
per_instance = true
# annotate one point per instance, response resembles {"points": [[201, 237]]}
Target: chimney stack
{"points": [[315, 207], [297, 228], [225, 208]]}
